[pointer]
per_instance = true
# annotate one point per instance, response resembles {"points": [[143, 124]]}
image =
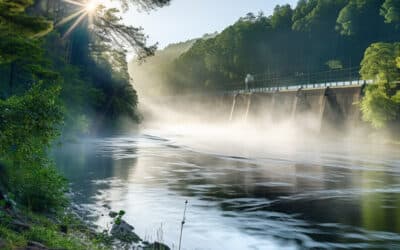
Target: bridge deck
{"points": [[291, 88]]}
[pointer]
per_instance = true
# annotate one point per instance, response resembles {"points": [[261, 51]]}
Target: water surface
{"points": [[241, 197]]}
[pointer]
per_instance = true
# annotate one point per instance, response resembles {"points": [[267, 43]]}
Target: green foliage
{"points": [[13, 18], [334, 64], [21, 58], [357, 13], [46, 231], [315, 36], [45, 80], [391, 11], [12, 239], [379, 63], [40, 188], [378, 108], [282, 17], [316, 15], [381, 104], [118, 217], [54, 239], [28, 125], [152, 76]]}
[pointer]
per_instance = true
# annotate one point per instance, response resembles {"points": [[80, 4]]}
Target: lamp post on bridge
{"points": [[249, 79]]}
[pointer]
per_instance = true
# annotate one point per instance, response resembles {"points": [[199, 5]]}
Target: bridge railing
{"points": [[355, 82], [322, 79]]}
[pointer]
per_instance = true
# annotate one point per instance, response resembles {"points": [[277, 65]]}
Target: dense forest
{"points": [[315, 36], [63, 71], [305, 44]]}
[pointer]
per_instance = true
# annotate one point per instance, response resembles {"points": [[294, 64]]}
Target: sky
{"points": [[187, 19]]}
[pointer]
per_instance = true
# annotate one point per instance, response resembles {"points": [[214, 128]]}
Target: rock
{"points": [[6, 202], [107, 206], [2, 244], [112, 214], [124, 232], [33, 245], [64, 229], [19, 226], [156, 246]]}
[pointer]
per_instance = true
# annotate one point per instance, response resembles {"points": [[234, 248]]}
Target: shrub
{"points": [[28, 125], [378, 108]]}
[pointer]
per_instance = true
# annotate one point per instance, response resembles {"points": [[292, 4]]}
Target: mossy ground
{"points": [[61, 232]]}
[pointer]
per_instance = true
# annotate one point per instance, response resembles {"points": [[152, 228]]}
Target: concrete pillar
{"points": [[322, 104], [233, 107], [249, 99]]}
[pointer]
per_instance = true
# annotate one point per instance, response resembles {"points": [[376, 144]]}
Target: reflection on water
{"points": [[306, 198]]}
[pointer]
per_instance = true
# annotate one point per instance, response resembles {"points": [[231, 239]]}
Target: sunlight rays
{"points": [[76, 23], [70, 17], [87, 8], [74, 2]]}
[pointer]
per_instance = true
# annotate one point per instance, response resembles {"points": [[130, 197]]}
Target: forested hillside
{"points": [[151, 77], [315, 36]]}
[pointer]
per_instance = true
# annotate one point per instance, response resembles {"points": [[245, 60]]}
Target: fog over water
{"points": [[250, 183]]}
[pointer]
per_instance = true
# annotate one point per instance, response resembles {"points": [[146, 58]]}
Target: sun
{"points": [[91, 6], [86, 9]]}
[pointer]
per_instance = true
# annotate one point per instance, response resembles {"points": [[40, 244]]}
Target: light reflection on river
{"points": [[274, 199]]}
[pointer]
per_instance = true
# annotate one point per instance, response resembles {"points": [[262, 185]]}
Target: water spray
{"points": [[182, 223]]}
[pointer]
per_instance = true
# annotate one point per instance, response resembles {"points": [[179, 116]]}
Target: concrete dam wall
{"points": [[329, 108], [317, 109]]}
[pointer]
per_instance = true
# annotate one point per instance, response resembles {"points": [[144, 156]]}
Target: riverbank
{"points": [[25, 230]]}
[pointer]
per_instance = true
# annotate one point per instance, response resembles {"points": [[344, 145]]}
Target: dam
{"points": [[330, 106]]}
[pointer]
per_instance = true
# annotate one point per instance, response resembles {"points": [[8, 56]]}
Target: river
{"points": [[242, 195]]}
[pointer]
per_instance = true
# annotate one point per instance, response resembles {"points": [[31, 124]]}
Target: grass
{"points": [[48, 233]]}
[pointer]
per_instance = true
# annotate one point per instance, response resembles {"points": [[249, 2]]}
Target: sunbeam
{"points": [[86, 9], [74, 2], [76, 23], [70, 17]]}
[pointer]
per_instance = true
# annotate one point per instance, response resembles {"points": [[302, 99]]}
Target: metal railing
{"points": [[356, 82], [315, 80]]}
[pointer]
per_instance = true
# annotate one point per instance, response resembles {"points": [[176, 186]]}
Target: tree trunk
{"points": [[11, 80]]}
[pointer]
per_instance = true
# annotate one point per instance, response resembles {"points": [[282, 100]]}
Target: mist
{"points": [[211, 124]]}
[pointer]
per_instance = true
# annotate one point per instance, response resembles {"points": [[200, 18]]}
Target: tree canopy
{"points": [[284, 48], [381, 105]]}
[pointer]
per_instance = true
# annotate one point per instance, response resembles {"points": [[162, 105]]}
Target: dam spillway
{"points": [[333, 107], [318, 109]]}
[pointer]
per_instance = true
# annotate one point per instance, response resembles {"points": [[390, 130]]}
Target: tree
{"points": [[378, 108], [283, 48], [13, 18], [391, 11], [381, 104], [282, 17], [361, 17], [379, 63], [19, 51], [28, 125]]}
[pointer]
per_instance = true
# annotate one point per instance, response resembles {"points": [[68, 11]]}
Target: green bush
{"points": [[381, 103], [52, 238], [28, 125], [40, 188], [378, 108]]}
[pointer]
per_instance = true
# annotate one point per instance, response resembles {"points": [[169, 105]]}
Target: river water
{"points": [[242, 195]]}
